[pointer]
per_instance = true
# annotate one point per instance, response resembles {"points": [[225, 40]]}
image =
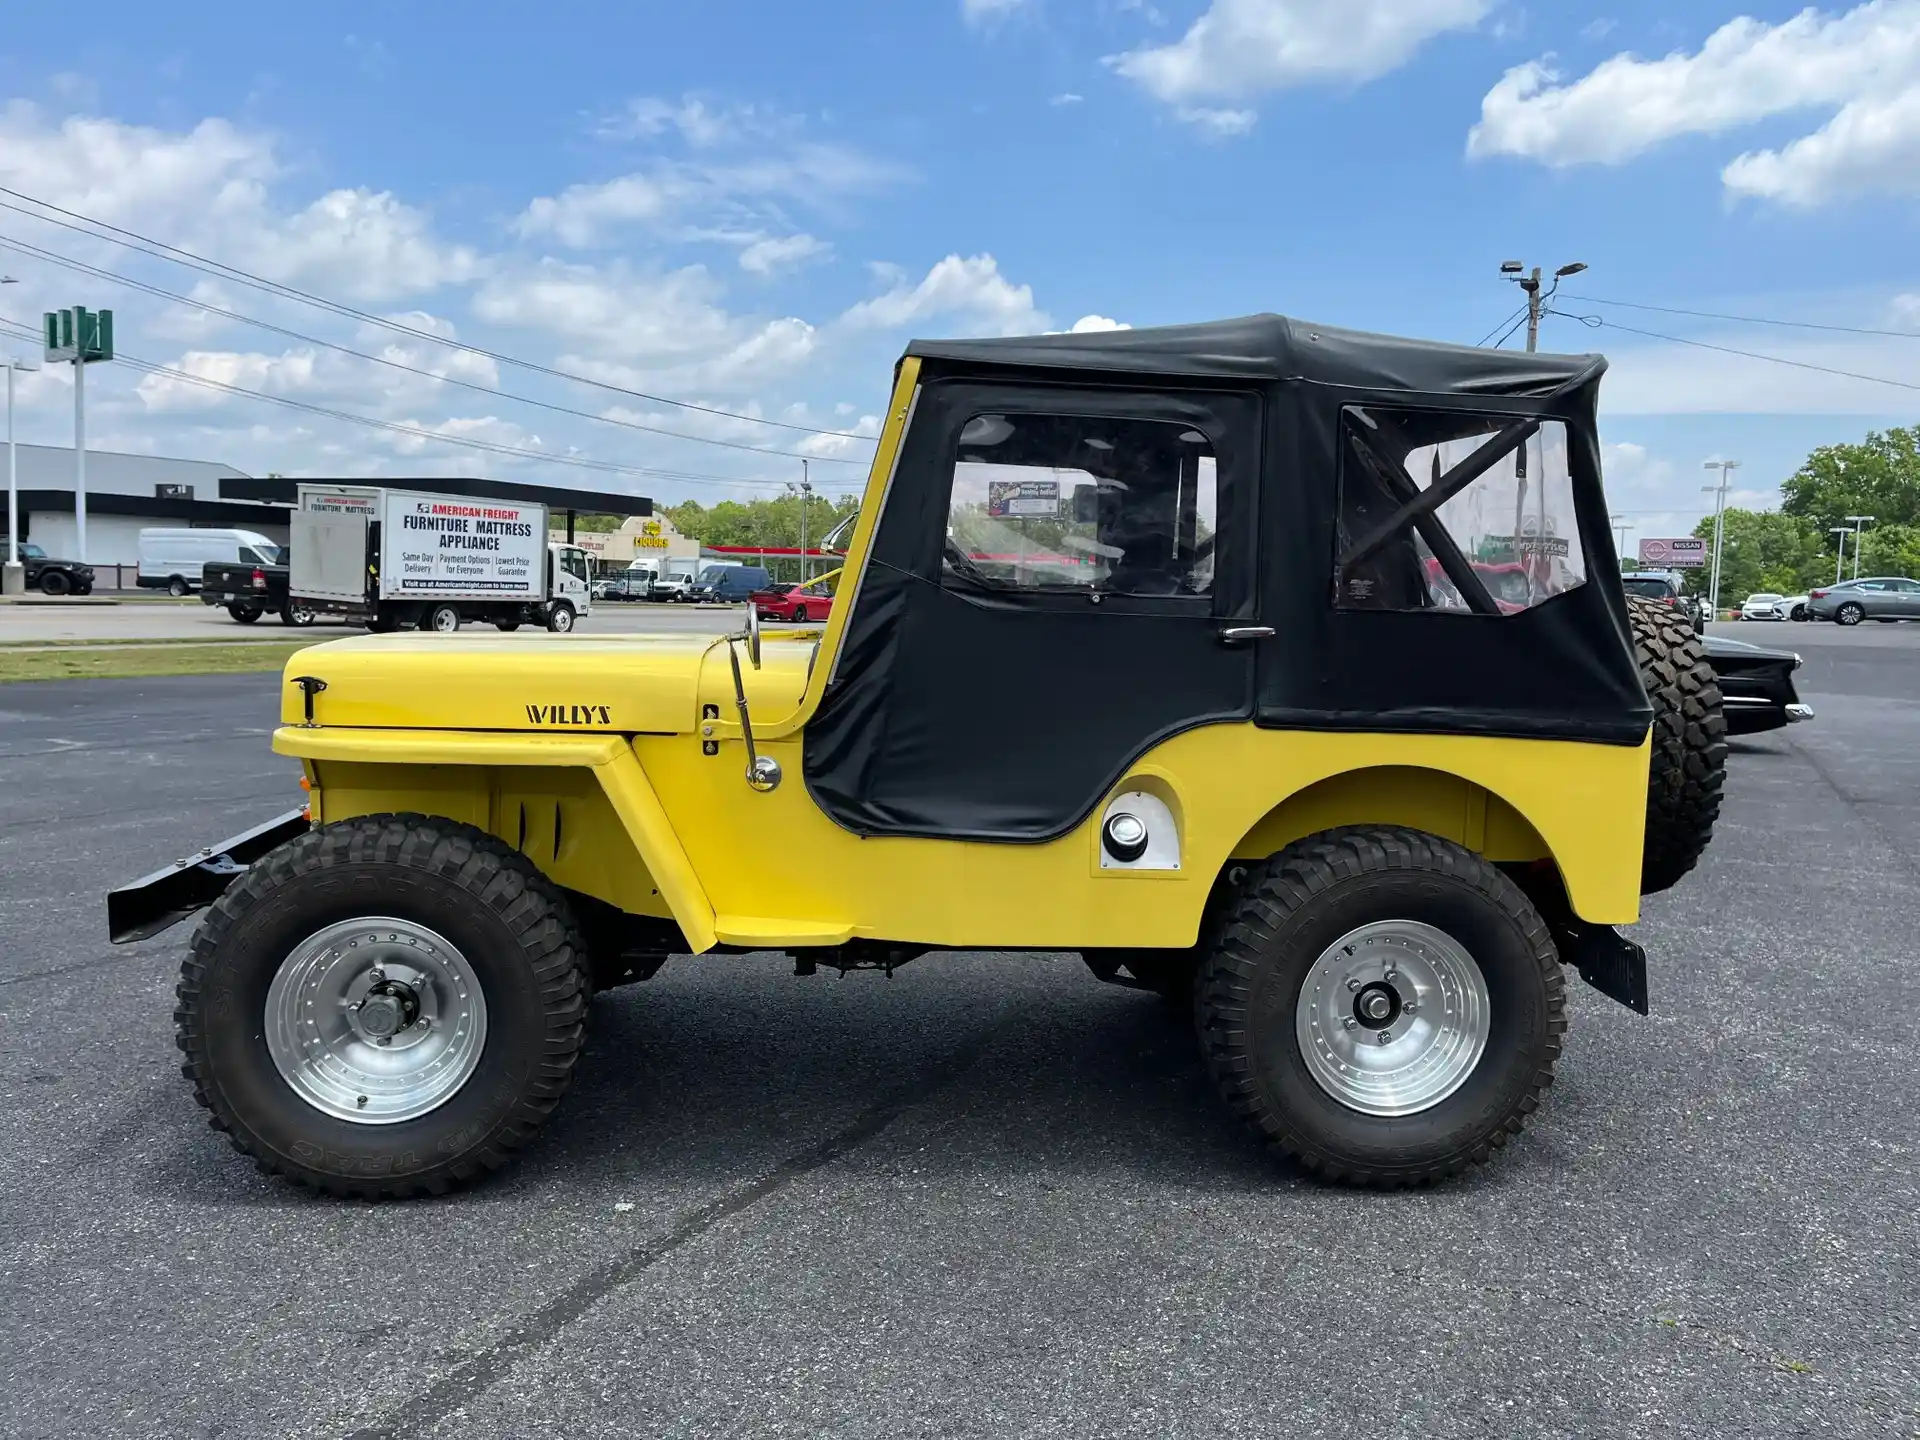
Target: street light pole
{"points": [[1619, 523], [806, 493], [1726, 469], [1840, 563], [1857, 521], [1536, 302]]}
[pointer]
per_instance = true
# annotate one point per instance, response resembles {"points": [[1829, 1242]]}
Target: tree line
{"points": [[1791, 550]]}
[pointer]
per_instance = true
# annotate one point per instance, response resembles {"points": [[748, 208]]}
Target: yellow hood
{"points": [[628, 684]]}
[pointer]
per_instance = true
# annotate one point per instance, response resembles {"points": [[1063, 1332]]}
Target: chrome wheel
{"points": [[375, 1020], [1393, 1017]]}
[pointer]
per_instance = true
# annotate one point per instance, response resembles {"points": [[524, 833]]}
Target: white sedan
{"points": [[1763, 606]]}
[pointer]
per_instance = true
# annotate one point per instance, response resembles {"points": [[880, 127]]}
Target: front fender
{"points": [[610, 759]]}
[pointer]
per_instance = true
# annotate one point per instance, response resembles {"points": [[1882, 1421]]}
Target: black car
{"points": [[1667, 588], [51, 576], [1756, 685]]}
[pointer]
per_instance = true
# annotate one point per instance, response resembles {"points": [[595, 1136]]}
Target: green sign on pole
{"points": [[78, 334]]}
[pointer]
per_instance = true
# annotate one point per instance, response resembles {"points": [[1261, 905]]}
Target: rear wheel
{"points": [[1689, 762], [297, 615], [1382, 1005], [444, 619], [54, 582], [176, 587], [387, 1006], [506, 625], [244, 614]]}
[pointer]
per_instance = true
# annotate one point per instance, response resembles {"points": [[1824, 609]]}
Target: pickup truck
{"points": [[250, 591]]}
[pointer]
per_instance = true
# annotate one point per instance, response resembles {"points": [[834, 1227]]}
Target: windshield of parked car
{"points": [[32, 552], [1652, 589]]}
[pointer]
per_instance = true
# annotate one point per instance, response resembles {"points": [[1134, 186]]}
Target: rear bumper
{"points": [[166, 897]]}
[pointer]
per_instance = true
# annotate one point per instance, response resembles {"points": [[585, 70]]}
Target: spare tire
{"points": [[1689, 766]]}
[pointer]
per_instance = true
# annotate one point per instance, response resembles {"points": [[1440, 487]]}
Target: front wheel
{"points": [[244, 614], [387, 1006], [1850, 613], [1798, 614], [1382, 1005], [560, 618], [54, 582]]}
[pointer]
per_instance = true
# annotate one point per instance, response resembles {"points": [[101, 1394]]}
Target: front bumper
{"points": [[155, 902]]}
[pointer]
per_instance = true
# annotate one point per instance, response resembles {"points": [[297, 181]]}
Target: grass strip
{"points": [[126, 662]]}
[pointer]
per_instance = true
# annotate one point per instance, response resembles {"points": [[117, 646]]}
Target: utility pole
{"points": [[1840, 532], [1536, 302], [1619, 523], [1857, 522], [1726, 469]]}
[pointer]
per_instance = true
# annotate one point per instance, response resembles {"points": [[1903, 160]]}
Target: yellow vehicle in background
{"points": [[1173, 648]]}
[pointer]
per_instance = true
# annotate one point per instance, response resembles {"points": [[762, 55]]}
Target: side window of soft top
{"points": [[1081, 504], [1506, 541]]}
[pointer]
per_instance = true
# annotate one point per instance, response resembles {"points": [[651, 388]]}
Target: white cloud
{"points": [[1216, 121], [1240, 49], [210, 189], [1094, 324], [1594, 31], [772, 254], [1067, 98], [744, 193], [986, 12], [1863, 65], [970, 292], [699, 122]]}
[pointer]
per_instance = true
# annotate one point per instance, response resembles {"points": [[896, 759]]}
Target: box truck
{"points": [[396, 558]]}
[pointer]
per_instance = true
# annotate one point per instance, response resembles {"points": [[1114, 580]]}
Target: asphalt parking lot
{"points": [[988, 1196]]}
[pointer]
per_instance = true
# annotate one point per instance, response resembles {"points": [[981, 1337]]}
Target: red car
{"points": [[812, 601]]}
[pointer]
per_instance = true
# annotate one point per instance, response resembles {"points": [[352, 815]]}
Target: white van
{"points": [[170, 559]]}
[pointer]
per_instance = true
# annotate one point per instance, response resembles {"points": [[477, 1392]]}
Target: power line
{"points": [[221, 270], [1511, 329], [1504, 324], [21, 247], [493, 447], [1596, 322], [1751, 319]]}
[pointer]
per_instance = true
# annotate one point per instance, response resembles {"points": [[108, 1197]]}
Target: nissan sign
{"points": [[1673, 554]]}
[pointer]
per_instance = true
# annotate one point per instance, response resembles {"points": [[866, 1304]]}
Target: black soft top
{"points": [[1274, 347]]}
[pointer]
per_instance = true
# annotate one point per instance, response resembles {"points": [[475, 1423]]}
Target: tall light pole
{"points": [[805, 490], [1726, 469], [1840, 532], [13, 576], [1857, 521], [1619, 523], [1536, 302]]}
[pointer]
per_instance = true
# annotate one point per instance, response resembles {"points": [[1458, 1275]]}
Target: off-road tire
{"points": [[1300, 902], [244, 614], [516, 930], [1689, 764]]}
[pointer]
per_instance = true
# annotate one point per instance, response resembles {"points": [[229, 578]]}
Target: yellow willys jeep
{"points": [[1284, 670]]}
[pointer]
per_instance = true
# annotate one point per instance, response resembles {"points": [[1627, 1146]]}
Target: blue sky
{"points": [[751, 207]]}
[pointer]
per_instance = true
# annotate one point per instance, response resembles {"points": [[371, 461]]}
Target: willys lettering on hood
{"points": [[570, 714]]}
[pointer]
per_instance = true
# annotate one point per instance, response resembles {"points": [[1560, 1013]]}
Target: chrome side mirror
{"points": [[763, 771], [836, 540]]}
